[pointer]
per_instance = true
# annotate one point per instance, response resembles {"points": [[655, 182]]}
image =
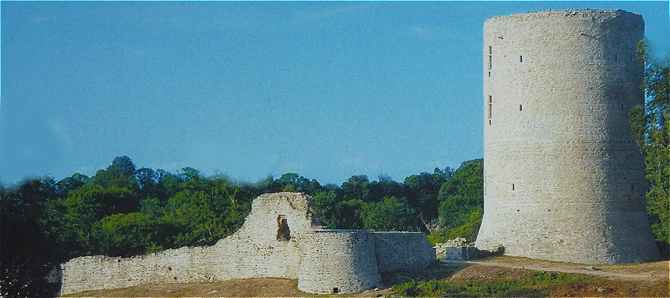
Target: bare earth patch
{"points": [[256, 287], [630, 280], [659, 270]]}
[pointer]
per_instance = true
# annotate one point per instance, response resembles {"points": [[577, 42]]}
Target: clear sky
{"points": [[327, 90]]}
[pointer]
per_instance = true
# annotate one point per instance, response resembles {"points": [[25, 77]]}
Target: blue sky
{"points": [[327, 90]]}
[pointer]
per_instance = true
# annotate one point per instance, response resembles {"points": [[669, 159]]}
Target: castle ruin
{"points": [[278, 239], [563, 176]]}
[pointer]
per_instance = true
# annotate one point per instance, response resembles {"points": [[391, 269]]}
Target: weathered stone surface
{"points": [[276, 240], [456, 249], [563, 178]]}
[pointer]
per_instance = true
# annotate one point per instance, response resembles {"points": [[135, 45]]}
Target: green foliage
{"points": [[324, 204], [437, 236], [125, 233], [422, 192], [462, 201], [348, 214], [469, 228], [535, 284], [390, 214], [650, 126]]}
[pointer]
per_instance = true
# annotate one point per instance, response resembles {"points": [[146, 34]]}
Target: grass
{"points": [[532, 284]]}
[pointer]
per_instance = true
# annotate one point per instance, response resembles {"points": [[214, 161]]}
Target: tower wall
{"points": [[337, 261], [563, 177]]}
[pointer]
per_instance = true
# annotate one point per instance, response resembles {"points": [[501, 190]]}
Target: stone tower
{"points": [[563, 177]]}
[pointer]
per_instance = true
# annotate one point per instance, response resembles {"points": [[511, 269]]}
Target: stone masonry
{"points": [[563, 177], [277, 239]]}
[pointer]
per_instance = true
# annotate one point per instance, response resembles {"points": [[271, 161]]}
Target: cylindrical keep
{"points": [[337, 261], [563, 176]]}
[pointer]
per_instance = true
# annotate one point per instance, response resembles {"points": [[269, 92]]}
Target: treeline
{"points": [[123, 210]]}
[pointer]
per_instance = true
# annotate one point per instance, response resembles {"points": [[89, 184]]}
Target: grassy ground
{"points": [[455, 280], [487, 281]]}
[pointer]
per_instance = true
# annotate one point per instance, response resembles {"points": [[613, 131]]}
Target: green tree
{"points": [[121, 173], [324, 204], [90, 203], [422, 192], [349, 214], [356, 187], [461, 199], [651, 128], [390, 214], [125, 234]]}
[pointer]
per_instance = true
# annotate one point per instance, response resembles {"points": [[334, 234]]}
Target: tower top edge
{"points": [[568, 13]]}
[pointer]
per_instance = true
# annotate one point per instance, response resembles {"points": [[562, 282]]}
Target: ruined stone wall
{"points": [[253, 251], [323, 261], [403, 251], [563, 178], [338, 261]]}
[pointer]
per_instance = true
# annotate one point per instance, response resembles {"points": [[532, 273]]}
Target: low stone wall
{"points": [[403, 251]]}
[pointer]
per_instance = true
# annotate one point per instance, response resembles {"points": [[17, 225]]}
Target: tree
{"points": [[295, 183], [24, 259], [324, 204], [651, 128], [71, 183], [390, 214], [121, 173], [349, 214], [422, 191], [125, 234], [356, 187], [462, 201]]}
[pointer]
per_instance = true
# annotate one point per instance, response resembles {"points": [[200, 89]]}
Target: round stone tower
{"points": [[563, 177], [337, 261]]}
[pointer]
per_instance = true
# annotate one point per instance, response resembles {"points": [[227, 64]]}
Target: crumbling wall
{"points": [[253, 251], [276, 240]]}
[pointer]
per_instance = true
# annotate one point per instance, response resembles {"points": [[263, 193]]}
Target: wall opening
{"points": [[490, 109], [621, 107], [520, 107], [336, 290], [490, 57], [512, 186], [283, 231], [521, 59]]}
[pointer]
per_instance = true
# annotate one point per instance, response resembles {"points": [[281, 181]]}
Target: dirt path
{"points": [[633, 272]]}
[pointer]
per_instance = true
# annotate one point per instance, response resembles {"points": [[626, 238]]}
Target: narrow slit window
{"points": [[490, 108], [490, 57], [520, 108], [512, 186], [621, 107], [521, 59]]}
